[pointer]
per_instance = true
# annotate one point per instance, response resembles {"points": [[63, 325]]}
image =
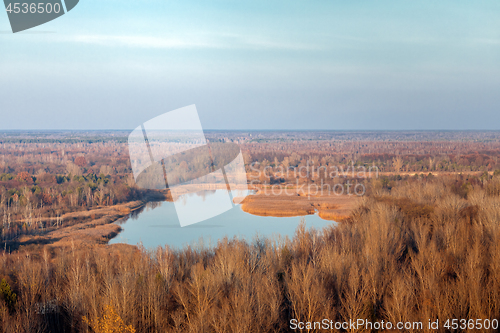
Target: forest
{"points": [[420, 251], [423, 243]]}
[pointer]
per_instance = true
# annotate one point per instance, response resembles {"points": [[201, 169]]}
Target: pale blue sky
{"points": [[256, 64]]}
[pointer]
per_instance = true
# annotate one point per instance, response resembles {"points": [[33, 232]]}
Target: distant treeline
{"points": [[82, 140]]}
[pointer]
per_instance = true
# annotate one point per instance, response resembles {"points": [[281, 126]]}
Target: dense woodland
{"points": [[423, 250], [424, 244], [50, 173]]}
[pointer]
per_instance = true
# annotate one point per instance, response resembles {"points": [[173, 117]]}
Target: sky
{"points": [[259, 64]]}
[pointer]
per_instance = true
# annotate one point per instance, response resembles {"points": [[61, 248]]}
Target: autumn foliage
{"points": [[420, 247], [414, 253], [109, 322], [80, 161], [24, 177]]}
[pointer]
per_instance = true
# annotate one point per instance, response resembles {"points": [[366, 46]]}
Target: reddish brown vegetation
{"points": [[417, 248], [415, 253]]}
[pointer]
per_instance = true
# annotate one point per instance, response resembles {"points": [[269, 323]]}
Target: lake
{"points": [[158, 225]]}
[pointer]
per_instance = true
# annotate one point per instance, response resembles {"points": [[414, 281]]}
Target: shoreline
{"points": [[93, 231], [328, 207], [99, 227], [91, 227]]}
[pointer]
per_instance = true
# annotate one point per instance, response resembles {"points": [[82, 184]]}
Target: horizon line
{"points": [[263, 130]]}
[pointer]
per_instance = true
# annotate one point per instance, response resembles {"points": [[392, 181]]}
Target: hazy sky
{"points": [[258, 64]]}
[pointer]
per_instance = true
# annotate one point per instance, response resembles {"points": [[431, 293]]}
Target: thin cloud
{"points": [[146, 42], [215, 42], [487, 41]]}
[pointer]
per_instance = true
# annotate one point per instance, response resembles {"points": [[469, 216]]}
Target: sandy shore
{"points": [[297, 203]]}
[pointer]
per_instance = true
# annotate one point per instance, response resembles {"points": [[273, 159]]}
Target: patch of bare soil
{"points": [[295, 203]]}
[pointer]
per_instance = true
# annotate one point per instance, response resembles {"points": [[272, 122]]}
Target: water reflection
{"points": [[157, 224]]}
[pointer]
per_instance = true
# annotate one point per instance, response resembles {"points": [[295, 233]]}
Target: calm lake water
{"points": [[157, 225]]}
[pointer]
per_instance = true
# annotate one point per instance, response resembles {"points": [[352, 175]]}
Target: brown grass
{"points": [[417, 253], [300, 204], [91, 227]]}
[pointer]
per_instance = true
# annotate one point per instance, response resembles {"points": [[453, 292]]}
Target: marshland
{"points": [[421, 243]]}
